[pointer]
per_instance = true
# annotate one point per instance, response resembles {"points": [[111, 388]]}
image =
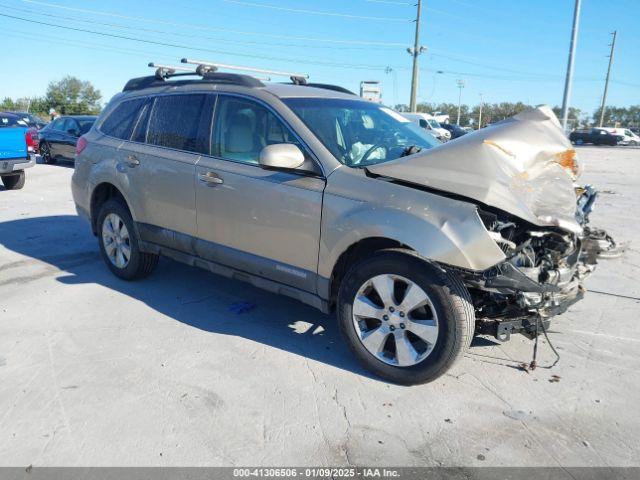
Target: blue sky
{"points": [[506, 50]]}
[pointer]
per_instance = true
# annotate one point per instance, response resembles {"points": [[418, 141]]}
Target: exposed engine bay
{"points": [[521, 174], [543, 274]]}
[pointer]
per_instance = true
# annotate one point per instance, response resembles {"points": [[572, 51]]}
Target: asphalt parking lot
{"points": [[169, 371]]}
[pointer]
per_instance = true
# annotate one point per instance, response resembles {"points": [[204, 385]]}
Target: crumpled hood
{"points": [[524, 165]]}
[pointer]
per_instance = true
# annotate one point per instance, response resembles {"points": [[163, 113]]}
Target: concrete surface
{"points": [[97, 371]]}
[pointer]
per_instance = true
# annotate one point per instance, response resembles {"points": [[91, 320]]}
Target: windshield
{"points": [[360, 133], [11, 121], [433, 123]]}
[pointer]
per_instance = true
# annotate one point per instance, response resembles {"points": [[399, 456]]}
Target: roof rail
{"points": [[327, 86], [208, 71], [165, 72], [203, 66]]}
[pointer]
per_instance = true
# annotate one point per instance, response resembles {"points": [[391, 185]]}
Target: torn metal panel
{"points": [[524, 165]]}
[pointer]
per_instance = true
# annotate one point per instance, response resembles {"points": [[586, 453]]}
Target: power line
{"points": [[390, 2], [181, 34], [187, 47], [216, 29], [314, 12]]}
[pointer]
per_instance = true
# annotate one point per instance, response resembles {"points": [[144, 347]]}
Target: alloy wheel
{"points": [[116, 240], [395, 320]]}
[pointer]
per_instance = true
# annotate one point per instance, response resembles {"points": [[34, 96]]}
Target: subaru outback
{"points": [[308, 191]]}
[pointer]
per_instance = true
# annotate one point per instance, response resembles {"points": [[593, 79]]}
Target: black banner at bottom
{"points": [[393, 473]]}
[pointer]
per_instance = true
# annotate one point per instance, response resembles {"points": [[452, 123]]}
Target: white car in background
{"points": [[429, 123], [630, 138], [441, 117]]}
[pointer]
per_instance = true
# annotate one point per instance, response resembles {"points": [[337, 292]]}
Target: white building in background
{"points": [[371, 90]]}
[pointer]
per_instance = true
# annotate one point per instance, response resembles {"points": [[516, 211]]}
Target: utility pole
{"points": [[480, 116], [566, 99], [415, 52], [606, 83], [460, 84]]}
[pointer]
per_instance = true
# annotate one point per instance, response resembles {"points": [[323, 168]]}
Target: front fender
{"points": [[441, 229]]}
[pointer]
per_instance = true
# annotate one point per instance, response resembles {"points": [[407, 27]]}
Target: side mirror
{"points": [[73, 132], [281, 156]]}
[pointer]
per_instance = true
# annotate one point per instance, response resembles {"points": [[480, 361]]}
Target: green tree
{"points": [[620, 116], [72, 96], [7, 104]]}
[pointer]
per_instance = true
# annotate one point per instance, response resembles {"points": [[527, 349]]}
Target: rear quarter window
{"points": [[122, 119]]}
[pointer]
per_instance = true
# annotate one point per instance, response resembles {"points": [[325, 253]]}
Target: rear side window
{"points": [[121, 121], [140, 129], [175, 122]]}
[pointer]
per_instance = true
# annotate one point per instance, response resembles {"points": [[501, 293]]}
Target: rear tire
{"points": [[14, 182], [119, 243], [447, 314]]}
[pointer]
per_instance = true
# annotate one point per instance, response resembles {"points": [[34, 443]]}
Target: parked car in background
{"points": [[454, 129], [441, 117], [628, 136], [343, 204], [429, 123], [58, 139], [596, 136], [32, 120], [15, 156]]}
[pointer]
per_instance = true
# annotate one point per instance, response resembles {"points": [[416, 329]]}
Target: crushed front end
{"points": [[543, 274]]}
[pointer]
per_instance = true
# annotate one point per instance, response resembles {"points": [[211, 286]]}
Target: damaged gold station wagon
{"points": [[308, 191]]}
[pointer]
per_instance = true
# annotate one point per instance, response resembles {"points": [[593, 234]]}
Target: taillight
{"points": [[31, 141], [29, 137], [81, 145]]}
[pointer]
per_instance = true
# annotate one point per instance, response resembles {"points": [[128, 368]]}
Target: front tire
{"points": [[406, 320], [45, 153], [119, 244], [14, 182]]}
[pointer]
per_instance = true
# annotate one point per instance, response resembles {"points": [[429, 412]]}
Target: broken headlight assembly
{"points": [[541, 276]]}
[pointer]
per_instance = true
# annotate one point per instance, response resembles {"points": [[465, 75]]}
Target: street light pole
{"points": [[480, 116], [415, 51], [569, 80], [460, 84], [606, 83]]}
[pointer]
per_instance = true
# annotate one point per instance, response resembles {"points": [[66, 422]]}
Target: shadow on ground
{"points": [[189, 295], [63, 246]]}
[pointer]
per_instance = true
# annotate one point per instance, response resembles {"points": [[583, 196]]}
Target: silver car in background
{"points": [[345, 205]]}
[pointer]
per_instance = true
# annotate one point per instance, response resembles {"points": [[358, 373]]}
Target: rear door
{"points": [[263, 222], [159, 161]]}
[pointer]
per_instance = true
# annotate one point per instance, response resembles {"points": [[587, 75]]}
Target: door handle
{"points": [[132, 161], [210, 178]]}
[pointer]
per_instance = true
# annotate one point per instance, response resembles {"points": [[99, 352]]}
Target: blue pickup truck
{"points": [[14, 154]]}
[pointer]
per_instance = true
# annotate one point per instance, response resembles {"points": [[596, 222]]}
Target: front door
{"points": [[68, 138], [263, 222]]}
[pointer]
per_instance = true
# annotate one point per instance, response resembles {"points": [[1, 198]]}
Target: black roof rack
{"points": [[207, 77], [209, 73]]}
